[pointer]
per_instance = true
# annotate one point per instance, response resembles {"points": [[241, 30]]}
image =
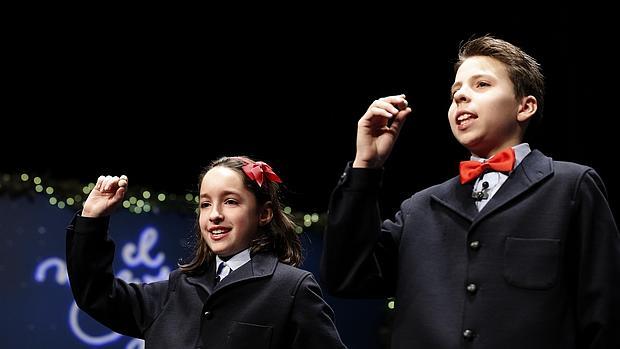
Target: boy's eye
{"points": [[483, 84], [230, 202], [205, 204]]}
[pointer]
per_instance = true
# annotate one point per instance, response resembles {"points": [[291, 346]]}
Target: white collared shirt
{"points": [[233, 263], [497, 179]]}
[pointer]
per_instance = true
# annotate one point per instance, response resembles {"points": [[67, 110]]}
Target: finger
{"points": [[99, 184], [104, 184], [401, 103], [120, 193], [391, 99], [378, 111], [385, 103], [400, 119], [113, 185], [123, 181], [109, 184]]}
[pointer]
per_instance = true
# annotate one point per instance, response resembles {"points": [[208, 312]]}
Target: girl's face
{"points": [[229, 216], [485, 114]]}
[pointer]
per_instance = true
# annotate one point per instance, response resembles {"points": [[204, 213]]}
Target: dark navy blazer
{"points": [[537, 267], [262, 304]]}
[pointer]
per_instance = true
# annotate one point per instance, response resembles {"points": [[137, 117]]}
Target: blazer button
{"points": [[472, 288], [474, 245], [468, 334], [208, 315]]}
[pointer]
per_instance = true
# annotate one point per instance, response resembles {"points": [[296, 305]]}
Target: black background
{"points": [[159, 97]]}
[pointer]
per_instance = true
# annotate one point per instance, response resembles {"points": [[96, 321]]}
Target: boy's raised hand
{"points": [[378, 129], [105, 196]]}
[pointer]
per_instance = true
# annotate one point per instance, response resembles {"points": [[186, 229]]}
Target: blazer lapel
{"points": [[534, 168], [261, 265], [457, 197], [204, 280]]}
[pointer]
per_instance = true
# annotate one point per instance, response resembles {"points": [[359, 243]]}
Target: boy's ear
{"points": [[266, 214], [527, 108]]}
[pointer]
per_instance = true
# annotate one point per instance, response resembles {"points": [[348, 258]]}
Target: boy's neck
{"points": [[488, 153]]}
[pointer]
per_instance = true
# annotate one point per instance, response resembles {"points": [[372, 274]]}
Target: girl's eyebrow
{"points": [[225, 192]]}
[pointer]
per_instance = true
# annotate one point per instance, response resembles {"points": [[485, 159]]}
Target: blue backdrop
{"points": [[38, 310]]}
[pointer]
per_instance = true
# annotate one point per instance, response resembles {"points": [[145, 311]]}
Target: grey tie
{"points": [[219, 275]]}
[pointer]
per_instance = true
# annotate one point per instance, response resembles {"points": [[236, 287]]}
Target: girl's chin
{"points": [[217, 247]]}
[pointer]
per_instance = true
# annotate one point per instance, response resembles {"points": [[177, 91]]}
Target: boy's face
{"points": [[484, 109], [229, 216]]}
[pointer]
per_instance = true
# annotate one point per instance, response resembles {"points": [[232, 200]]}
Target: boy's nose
{"points": [[460, 95]]}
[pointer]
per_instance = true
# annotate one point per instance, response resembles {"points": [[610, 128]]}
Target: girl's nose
{"points": [[215, 215]]}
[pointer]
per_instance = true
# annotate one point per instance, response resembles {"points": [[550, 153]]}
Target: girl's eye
{"points": [[230, 202], [483, 84], [205, 204]]}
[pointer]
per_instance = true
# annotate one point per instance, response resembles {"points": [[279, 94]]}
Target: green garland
{"points": [[70, 194]]}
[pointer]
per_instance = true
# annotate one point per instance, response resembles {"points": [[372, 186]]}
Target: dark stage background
{"points": [[157, 101]]}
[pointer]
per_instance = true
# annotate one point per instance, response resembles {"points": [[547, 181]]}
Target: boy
{"points": [[519, 251]]}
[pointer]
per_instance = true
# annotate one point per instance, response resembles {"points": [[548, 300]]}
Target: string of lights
{"points": [[70, 194]]}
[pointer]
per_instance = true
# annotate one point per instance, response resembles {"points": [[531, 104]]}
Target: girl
{"points": [[241, 289]]}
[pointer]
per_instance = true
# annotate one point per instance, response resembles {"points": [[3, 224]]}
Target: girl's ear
{"points": [[266, 214], [527, 108]]}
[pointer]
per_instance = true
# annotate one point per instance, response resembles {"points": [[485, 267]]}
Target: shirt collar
{"points": [[521, 151], [235, 261]]}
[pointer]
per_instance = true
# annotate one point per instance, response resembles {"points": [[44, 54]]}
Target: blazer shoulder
{"points": [[437, 189], [570, 168], [577, 172], [536, 161], [293, 276], [174, 278], [291, 271], [583, 176], [268, 264]]}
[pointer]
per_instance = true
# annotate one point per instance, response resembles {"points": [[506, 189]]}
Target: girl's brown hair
{"points": [[278, 237]]}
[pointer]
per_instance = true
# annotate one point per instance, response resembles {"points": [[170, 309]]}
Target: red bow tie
{"points": [[503, 161]]}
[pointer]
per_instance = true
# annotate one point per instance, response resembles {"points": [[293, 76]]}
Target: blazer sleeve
{"points": [[126, 308], [359, 256], [312, 318], [598, 266]]}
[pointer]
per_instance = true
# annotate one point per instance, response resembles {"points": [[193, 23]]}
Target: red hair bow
{"points": [[257, 172]]}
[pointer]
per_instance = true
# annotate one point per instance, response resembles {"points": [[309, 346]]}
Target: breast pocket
{"points": [[531, 263], [249, 336]]}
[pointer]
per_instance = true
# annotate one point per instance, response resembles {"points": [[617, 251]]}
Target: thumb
{"points": [[120, 194], [400, 118], [123, 182]]}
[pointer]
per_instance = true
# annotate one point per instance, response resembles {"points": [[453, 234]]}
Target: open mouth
{"points": [[218, 233], [464, 119]]}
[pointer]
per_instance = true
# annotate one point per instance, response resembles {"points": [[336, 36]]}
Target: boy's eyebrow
{"points": [[473, 77], [454, 85], [477, 76]]}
